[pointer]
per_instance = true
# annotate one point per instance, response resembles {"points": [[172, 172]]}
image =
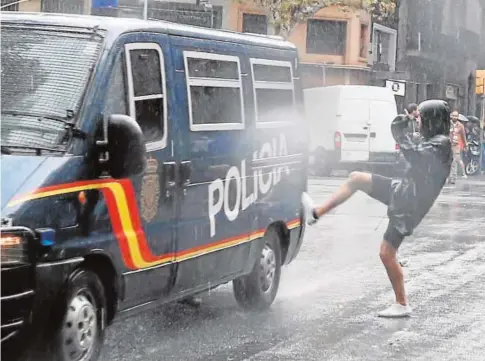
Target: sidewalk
{"points": [[478, 178]]}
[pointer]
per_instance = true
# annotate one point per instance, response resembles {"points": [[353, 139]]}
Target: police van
{"points": [[142, 162]]}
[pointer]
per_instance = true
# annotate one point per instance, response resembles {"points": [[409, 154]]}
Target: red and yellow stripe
{"points": [[123, 210]]}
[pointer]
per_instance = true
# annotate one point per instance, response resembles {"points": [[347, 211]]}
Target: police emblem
{"points": [[150, 191]]}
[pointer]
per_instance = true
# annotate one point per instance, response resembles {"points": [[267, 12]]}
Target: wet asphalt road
{"points": [[328, 298]]}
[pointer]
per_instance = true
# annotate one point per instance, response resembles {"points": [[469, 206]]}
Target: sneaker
{"points": [[308, 209], [464, 176], [395, 311]]}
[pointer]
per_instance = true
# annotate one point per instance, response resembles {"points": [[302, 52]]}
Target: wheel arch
{"points": [[284, 237], [101, 264]]}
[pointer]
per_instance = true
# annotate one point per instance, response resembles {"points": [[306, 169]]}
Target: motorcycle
{"points": [[472, 158]]}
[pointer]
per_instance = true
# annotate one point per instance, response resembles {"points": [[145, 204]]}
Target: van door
{"points": [[382, 144], [354, 128], [149, 226], [213, 229]]}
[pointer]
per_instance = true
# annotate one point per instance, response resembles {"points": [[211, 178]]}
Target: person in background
{"points": [[459, 144], [413, 112]]}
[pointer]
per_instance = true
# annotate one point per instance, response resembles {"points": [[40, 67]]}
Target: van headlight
{"points": [[13, 248]]}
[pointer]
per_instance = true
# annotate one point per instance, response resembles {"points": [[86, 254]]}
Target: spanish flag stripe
{"points": [[60, 189], [125, 219], [231, 240], [131, 233], [137, 225], [118, 229], [50, 193]]}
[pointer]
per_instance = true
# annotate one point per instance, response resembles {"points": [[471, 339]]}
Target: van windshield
{"points": [[44, 75]]}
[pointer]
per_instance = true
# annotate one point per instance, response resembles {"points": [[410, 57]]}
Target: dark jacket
{"points": [[428, 164]]}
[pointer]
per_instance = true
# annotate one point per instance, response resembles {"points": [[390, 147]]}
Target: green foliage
{"points": [[285, 14]]}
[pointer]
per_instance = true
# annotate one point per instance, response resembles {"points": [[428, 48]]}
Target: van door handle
{"points": [[185, 172], [169, 174]]}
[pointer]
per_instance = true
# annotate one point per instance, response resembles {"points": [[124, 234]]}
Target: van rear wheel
{"points": [[258, 289]]}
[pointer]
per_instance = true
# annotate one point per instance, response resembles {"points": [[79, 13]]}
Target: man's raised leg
{"points": [[356, 181]]}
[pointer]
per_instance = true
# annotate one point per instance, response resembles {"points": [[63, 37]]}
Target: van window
{"points": [[116, 97], [146, 82], [273, 91], [44, 76], [214, 91]]}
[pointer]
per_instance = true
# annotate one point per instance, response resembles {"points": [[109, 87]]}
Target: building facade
{"points": [[439, 50], [434, 52], [333, 45]]}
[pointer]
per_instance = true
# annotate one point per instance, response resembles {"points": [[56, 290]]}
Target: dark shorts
{"points": [[381, 191]]}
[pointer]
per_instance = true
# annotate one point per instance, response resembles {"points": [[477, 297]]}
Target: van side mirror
{"points": [[123, 147]]}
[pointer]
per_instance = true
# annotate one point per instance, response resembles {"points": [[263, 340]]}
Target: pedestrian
{"points": [[459, 144], [413, 112], [428, 160]]}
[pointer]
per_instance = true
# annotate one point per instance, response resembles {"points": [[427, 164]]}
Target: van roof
{"points": [[118, 26], [355, 91]]}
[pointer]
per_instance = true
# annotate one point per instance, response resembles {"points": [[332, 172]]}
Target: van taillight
{"points": [[397, 147], [337, 140]]}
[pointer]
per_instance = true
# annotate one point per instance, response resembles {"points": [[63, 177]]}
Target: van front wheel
{"points": [[81, 333], [258, 289]]}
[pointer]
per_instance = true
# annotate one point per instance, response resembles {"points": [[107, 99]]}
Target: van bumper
{"points": [[296, 236], [390, 162], [29, 295]]}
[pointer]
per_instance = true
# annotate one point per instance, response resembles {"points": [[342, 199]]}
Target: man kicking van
{"points": [[428, 158]]}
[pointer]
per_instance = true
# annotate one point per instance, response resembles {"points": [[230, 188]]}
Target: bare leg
{"points": [[462, 166], [394, 272], [454, 168], [357, 181]]}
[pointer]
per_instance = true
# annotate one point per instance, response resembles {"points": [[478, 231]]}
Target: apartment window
{"points": [[384, 43], [63, 6], [363, 40], [10, 5], [146, 79], [254, 23], [214, 91], [326, 37], [273, 91]]}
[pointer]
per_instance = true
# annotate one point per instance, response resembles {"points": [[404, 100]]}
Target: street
{"points": [[329, 296]]}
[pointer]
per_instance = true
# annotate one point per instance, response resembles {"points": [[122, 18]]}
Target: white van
{"points": [[350, 127]]}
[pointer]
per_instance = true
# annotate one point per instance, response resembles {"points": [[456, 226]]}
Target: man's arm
{"points": [[414, 147]]}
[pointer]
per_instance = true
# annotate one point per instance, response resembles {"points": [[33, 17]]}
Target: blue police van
{"points": [[142, 162]]}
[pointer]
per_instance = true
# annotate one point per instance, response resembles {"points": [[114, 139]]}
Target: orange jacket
{"points": [[458, 135]]}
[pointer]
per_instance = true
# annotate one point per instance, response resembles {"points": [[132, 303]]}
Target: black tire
{"points": [[250, 291], [322, 166], [323, 170], [472, 167], [84, 290]]}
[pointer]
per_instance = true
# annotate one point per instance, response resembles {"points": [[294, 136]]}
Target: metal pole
{"points": [[145, 10], [482, 134], [212, 17]]}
